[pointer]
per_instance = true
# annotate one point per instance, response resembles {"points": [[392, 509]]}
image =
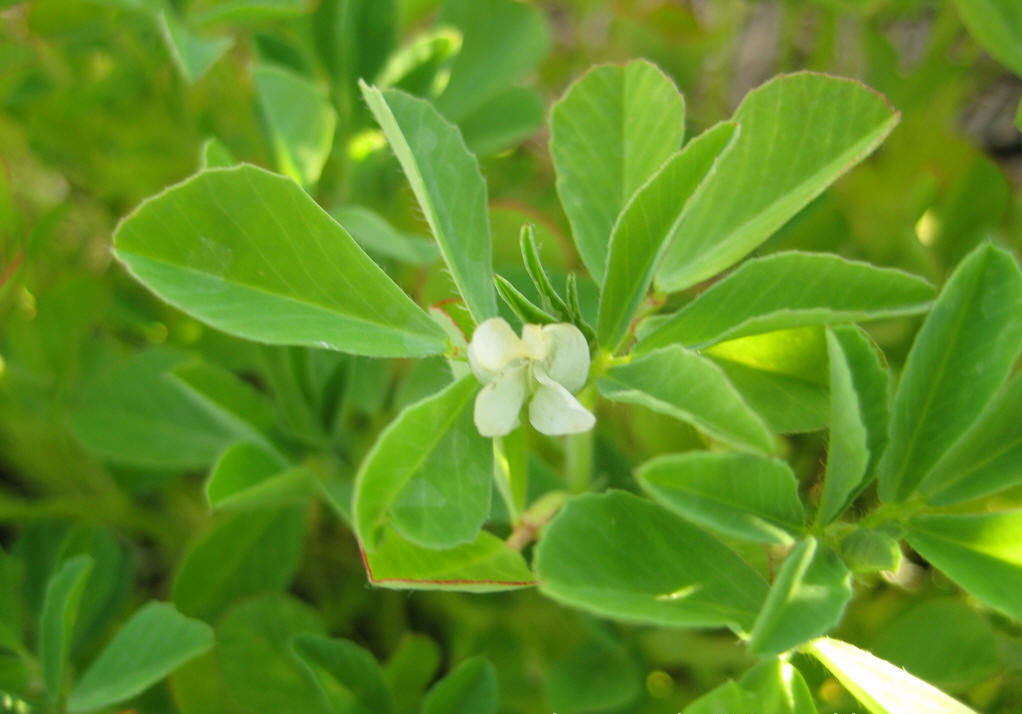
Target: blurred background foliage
{"points": [[105, 102]]}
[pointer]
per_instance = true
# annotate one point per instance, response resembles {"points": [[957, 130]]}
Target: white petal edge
{"points": [[554, 412], [493, 345], [498, 403], [567, 361]]}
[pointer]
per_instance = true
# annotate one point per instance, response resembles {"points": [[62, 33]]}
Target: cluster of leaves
{"points": [[318, 438]]}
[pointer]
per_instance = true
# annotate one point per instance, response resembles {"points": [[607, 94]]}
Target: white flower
{"points": [[548, 363]]}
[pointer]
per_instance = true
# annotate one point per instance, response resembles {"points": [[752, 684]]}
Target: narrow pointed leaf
{"points": [[648, 223], [689, 387], [800, 132], [620, 556], [787, 290], [280, 270], [961, 356], [429, 473], [741, 495], [470, 687], [447, 183], [609, 133], [57, 620], [154, 642], [523, 308], [552, 300], [805, 601]]}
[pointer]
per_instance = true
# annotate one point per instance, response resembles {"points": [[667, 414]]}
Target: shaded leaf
{"points": [[348, 675], [57, 620], [193, 54], [470, 687]]}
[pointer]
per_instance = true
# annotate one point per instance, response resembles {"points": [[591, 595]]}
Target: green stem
{"points": [[579, 450], [502, 476]]}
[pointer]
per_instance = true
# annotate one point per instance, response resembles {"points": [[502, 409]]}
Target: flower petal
{"points": [[535, 342], [553, 411], [493, 345], [567, 362], [499, 402]]}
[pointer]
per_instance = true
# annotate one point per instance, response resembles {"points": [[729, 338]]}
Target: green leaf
{"points": [[865, 550], [107, 585], [786, 403], [599, 674], [502, 40], [192, 53], [523, 308], [943, 641], [447, 183], [349, 676], [279, 270], [881, 687], [997, 26], [264, 674], [799, 133], [987, 459], [470, 687], [979, 552], [248, 552], [300, 118], [848, 451], [776, 687], [216, 155], [728, 697], [135, 415], [741, 495], [613, 128], [552, 300], [379, 238], [411, 668], [429, 473], [648, 223], [961, 356], [11, 575], [154, 642], [484, 565], [504, 121], [805, 601], [787, 290], [689, 387], [617, 555], [228, 12], [57, 621], [247, 475]]}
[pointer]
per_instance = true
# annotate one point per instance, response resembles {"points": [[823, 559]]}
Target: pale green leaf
{"points": [[429, 473], [741, 495], [470, 687], [192, 53], [879, 685], [613, 128], [57, 620], [154, 642], [787, 290], [620, 556], [689, 387], [447, 183], [348, 675], [215, 154], [799, 133], [775, 687], [648, 223], [997, 26], [806, 599], [960, 357], [865, 550], [251, 254]]}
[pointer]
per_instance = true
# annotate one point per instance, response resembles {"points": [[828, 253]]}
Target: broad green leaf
{"points": [[248, 552], [279, 270], [741, 495], [617, 555], [349, 676], [728, 697], [137, 416], [776, 687], [786, 403], [612, 129], [11, 573], [192, 53], [447, 183], [216, 155], [501, 40], [224, 12], [987, 459], [379, 238], [805, 601], [470, 687], [155, 641], [689, 387], [943, 641], [264, 674], [961, 356], [800, 132], [247, 475], [484, 565], [505, 120], [300, 118], [429, 473], [982, 553], [997, 26], [57, 621], [879, 685], [848, 450], [648, 223], [787, 290]]}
